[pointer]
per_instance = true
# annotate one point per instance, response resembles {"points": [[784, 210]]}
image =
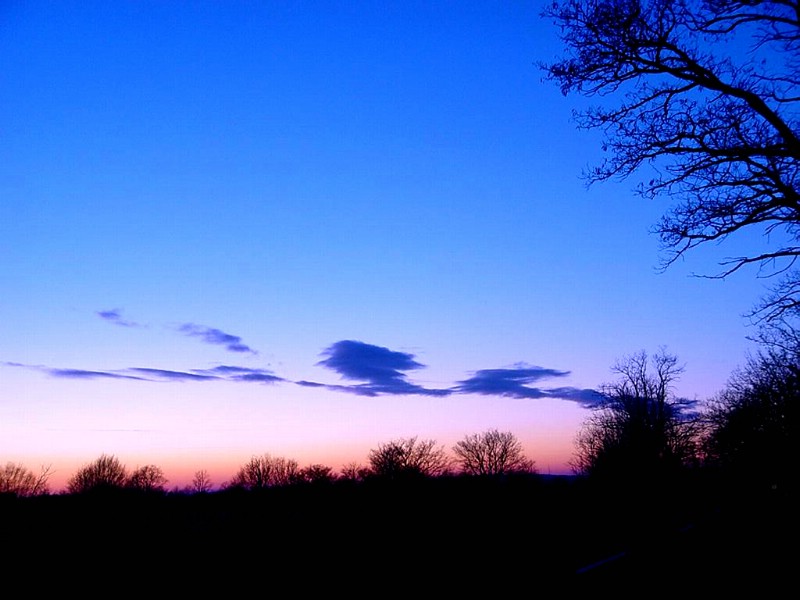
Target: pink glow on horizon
{"points": [[548, 452]]}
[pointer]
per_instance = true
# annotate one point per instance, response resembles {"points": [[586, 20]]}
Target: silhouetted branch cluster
{"points": [[265, 471], [107, 473], [641, 430], [753, 423], [17, 480], [708, 97], [492, 452], [407, 458]]}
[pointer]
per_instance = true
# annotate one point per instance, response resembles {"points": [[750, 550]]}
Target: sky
{"points": [[306, 229]]}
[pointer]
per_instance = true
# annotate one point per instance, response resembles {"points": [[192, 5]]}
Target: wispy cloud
{"points": [[368, 370], [84, 374], [232, 373], [74, 373], [115, 316], [165, 374], [209, 335], [220, 373], [381, 370]]}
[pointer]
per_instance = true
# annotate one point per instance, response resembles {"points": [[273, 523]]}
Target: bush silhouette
{"points": [[104, 474], [492, 452]]}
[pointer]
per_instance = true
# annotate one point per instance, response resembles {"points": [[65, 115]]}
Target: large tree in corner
{"points": [[707, 93]]}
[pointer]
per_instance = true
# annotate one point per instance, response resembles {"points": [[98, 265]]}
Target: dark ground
{"points": [[454, 536]]}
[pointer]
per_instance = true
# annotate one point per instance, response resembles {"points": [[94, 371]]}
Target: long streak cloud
{"points": [[364, 369]]}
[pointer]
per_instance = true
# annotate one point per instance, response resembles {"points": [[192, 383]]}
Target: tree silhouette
{"points": [[148, 478], [708, 96], [17, 480], [316, 473], [640, 430], [407, 458], [265, 471], [105, 473], [754, 422], [354, 472], [201, 482], [492, 453]]}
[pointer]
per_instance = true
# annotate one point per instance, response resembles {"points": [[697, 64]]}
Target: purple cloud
{"points": [[209, 335], [232, 373], [508, 382], [588, 398], [515, 383], [221, 373], [172, 375], [74, 373], [376, 370], [382, 370], [115, 316], [85, 374]]}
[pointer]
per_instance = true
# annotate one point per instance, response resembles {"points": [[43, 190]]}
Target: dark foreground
{"points": [[449, 536]]}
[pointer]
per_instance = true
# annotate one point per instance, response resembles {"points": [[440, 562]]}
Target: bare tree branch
{"points": [[716, 123]]}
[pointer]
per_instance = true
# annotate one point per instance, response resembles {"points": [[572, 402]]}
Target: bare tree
{"points": [[641, 430], [408, 457], [201, 482], [708, 94], [492, 452], [354, 472], [19, 481], [148, 478], [643, 376], [105, 473], [265, 471]]}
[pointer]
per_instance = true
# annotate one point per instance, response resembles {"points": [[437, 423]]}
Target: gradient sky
{"points": [[309, 228]]}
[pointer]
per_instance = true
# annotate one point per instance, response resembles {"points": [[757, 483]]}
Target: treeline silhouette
{"points": [[446, 533], [661, 487]]}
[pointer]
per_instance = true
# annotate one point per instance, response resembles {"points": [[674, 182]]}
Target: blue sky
{"points": [[308, 228]]}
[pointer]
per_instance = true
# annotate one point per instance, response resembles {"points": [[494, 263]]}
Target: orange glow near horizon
{"points": [[180, 468]]}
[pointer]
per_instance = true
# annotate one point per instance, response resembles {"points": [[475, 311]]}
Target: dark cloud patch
{"points": [[688, 408], [382, 370], [508, 382], [587, 398], [516, 382], [233, 373], [359, 361], [115, 316], [209, 335]]}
